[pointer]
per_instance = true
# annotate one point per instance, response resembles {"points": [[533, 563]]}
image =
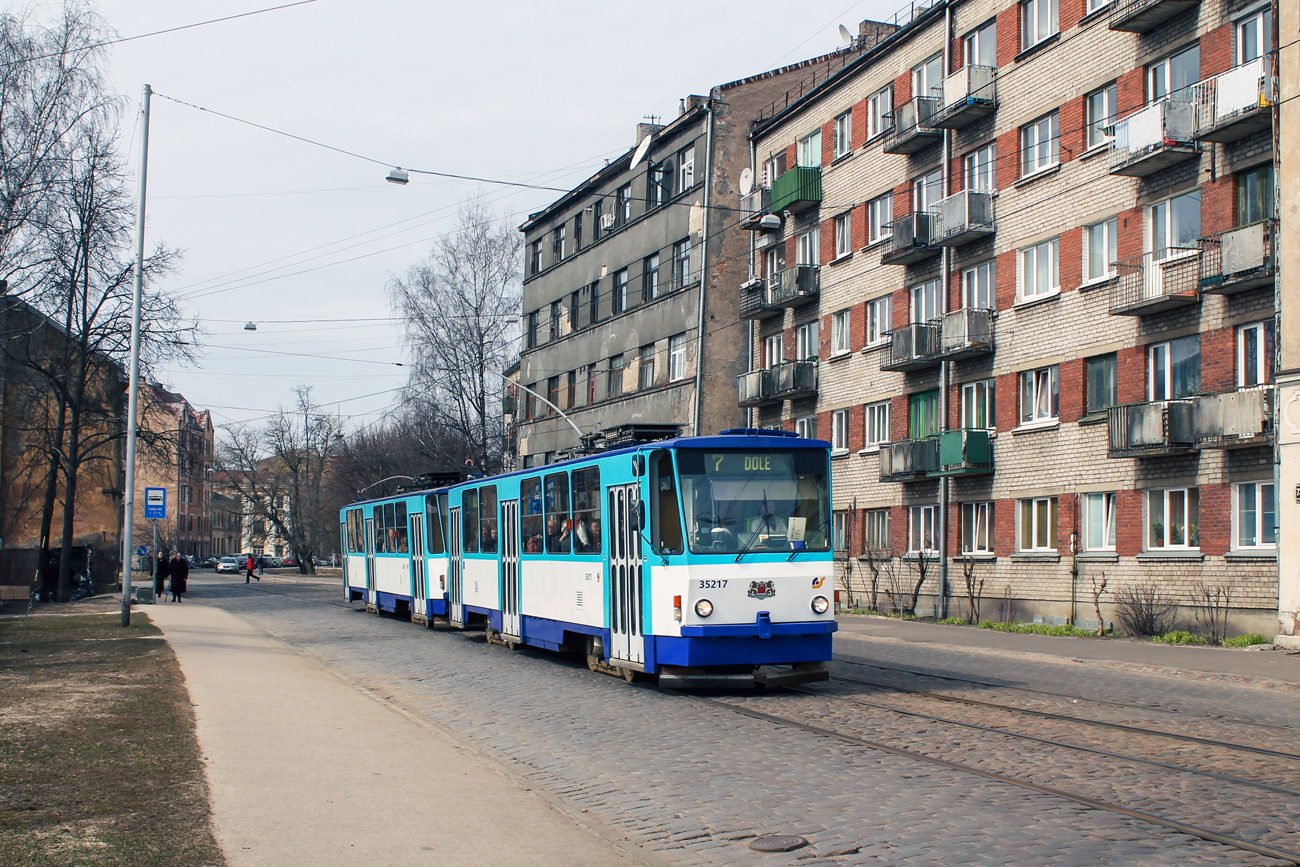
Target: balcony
{"points": [[794, 286], [968, 95], [909, 460], [1157, 137], [913, 130], [1146, 285], [912, 241], [755, 388], [963, 218], [913, 347], [1141, 16], [794, 379], [965, 453], [753, 301], [1163, 427], [798, 189], [966, 333], [755, 206], [1240, 259], [1236, 419], [1236, 103]]}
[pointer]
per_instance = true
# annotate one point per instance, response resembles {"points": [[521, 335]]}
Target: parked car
{"points": [[229, 564], [289, 562], [210, 563]]}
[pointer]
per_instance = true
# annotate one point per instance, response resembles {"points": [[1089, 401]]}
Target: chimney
{"points": [[645, 129], [872, 33]]}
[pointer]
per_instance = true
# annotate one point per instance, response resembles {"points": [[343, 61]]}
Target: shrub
{"points": [[1179, 636], [1063, 631], [954, 621], [1144, 610], [1247, 640]]}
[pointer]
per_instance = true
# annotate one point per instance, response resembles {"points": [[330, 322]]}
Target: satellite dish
{"points": [[640, 151], [846, 35], [746, 181]]}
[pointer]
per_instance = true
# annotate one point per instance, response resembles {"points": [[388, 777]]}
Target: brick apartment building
{"points": [[1023, 281]]}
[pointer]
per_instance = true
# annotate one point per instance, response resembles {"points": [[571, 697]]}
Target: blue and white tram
{"points": [[704, 560]]}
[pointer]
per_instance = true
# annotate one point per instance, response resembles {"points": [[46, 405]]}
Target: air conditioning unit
{"points": [[606, 222]]}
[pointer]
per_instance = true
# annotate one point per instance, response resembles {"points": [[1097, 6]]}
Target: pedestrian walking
{"points": [[261, 563], [249, 565], [160, 572], [180, 573]]}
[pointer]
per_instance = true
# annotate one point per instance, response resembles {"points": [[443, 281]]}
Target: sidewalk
{"points": [[1277, 667], [304, 768]]}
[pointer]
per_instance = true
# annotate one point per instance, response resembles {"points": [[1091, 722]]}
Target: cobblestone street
{"points": [[692, 781]]}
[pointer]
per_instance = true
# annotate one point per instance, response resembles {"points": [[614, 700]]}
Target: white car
{"points": [[228, 564]]}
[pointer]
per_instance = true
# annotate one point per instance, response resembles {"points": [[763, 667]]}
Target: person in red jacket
{"points": [[249, 566]]}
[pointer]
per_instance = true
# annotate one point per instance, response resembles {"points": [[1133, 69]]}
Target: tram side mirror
{"points": [[638, 465], [640, 514]]}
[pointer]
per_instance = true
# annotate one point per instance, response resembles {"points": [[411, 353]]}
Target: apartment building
{"points": [[1018, 267], [178, 457]]}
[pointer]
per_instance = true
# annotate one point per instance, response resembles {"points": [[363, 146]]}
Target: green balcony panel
{"points": [[965, 452], [798, 188]]}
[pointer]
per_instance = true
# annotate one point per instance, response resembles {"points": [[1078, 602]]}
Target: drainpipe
{"points": [[753, 255], [704, 270], [945, 367]]}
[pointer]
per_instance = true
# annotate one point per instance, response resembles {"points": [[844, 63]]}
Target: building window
{"points": [[557, 243], [535, 257], [1099, 108], [597, 211], [677, 357], [840, 332], [843, 133], [616, 365], [880, 109], [1255, 195], [553, 393], [593, 292], [557, 318], [571, 390], [622, 204], [843, 236], [1099, 522], [772, 265], [686, 168], [923, 535], [1040, 144], [1254, 354], [1100, 250], [593, 375], [681, 263], [532, 330], [982, 168], [979, 286], [982, 46], [840, 430], [1037, 519], [1100, 380], [1094, 5], [805, 341], [1174, 75], [807, 247], [579, 393], [927, 77], [1174, 368], [577, 231], [876, 530], [880, 218], [1254, 36], [1254, 515], [809, 151], [659, 184], [1040, 395], [1175, 226], [1173, 518], [877, 419], [620, 299], [879, 320], [977, 405], [1037, 20], [773, 168], [924, 419], [773, 350], [645, 375], [839, 534], [927, 191], [650, 278], [925, 301], [806, 427], [1039, 270], [976, 532]]}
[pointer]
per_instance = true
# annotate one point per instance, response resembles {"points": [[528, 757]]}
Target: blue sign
{"points": [[142, 550], [155, 503]]}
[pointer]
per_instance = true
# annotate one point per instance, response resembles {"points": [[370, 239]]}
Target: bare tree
{"points": [[460, 306], [921, 566], [1210, 604], [1099, 588], [880, 564], [974, 588]]}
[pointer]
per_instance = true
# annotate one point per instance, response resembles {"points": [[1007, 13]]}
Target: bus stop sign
{"points": [[155, 503]]}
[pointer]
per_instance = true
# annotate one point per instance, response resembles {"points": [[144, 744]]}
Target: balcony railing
{"points": [[1235, 419], [966, 333], [755, 388], [963, 218], [1141, 16], [794, 379], [1146, 284], [968, 95], [753, 301], [755, 206], [1162, 427], [797, 189], [913, 347], [912, 241], [1155, 138], [794, 286], [965, 453], [1236, 103], [908, 460], [1239, 259], [913, 128]]}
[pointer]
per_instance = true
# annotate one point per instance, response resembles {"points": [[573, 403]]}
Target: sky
{"points": [[303, 240]]}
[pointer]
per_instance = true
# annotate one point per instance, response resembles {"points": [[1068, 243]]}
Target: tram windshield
{"points": [[737, 502]]}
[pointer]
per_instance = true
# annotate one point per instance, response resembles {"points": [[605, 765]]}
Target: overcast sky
{"points": [[279, 232]]}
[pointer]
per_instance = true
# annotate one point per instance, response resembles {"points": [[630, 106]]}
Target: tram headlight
{"points": [[820, 605], [704, 608]]}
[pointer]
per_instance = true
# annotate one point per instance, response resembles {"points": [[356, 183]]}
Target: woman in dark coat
{"points": [[160, 572], [180, 573]]}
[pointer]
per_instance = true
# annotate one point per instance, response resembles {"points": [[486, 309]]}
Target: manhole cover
{"points": [[778, 843]]}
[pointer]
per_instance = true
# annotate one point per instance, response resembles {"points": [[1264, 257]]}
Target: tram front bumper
{"points": [[686, 677]]}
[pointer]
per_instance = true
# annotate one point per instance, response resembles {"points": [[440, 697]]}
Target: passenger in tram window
{"points": [[490, 539], [582, 537], [595, 536], [557, 535], [533, 545]]}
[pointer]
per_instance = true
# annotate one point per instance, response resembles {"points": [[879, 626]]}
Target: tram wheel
{"points": [[629, 674]]}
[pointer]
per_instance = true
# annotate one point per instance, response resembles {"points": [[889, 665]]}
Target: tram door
{"points": [[455, 594], [511, 618], [419, 589], [343, 557], [370, 561], [627, 641]]}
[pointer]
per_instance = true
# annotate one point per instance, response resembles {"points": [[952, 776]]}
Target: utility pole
{"points": [[1286, 181]]}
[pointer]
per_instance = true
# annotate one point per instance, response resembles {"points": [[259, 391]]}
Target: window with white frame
{"points": [[875, 526], [979, 286], [880, 108], [1254, 36], [1100, 377], [1040, 144], [880, 218], [620, 299], [843, 235], [807, 247], [806, 427], [923, 529], [1254, 515], [982, 46], [925, 301], [1036, 518], [686, 168], [1099, 111], [927, 77], [840, 430], [1173, 518], [805, 341], [840, 332], [927, 191], [681, 263], [977, 405], [879, 320], [677, 357], [1039, 270], [1040, 398], [1174, 368], [977, 528], [1173, 76], [843, 133], [809, 151], [1094, 5], [1099, 522], [1174, 226], [839, 530], [877, 422], [1037, 21], [645, 373], [1100, 249], [981, 169], [773, 350], [772, 264], [773, 168], [1254, 358]]}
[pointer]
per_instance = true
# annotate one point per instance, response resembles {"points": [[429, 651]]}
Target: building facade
{"points": [[178, 457], [1023, 280]]}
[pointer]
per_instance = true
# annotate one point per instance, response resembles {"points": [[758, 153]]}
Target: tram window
{"points": [[358, 531], [390, 527], [400, 544], [381, 531], [667, 528], [352, 530], [558, 526], [530, 508], [586, 510], [469, 520], [434, 519], [488, 519]]}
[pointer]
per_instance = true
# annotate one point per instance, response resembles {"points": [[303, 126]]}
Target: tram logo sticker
{"points": [[762, 589], [818, 582]]}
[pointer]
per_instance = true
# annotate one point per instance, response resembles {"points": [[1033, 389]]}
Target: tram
{"points": [[703, 560]]}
